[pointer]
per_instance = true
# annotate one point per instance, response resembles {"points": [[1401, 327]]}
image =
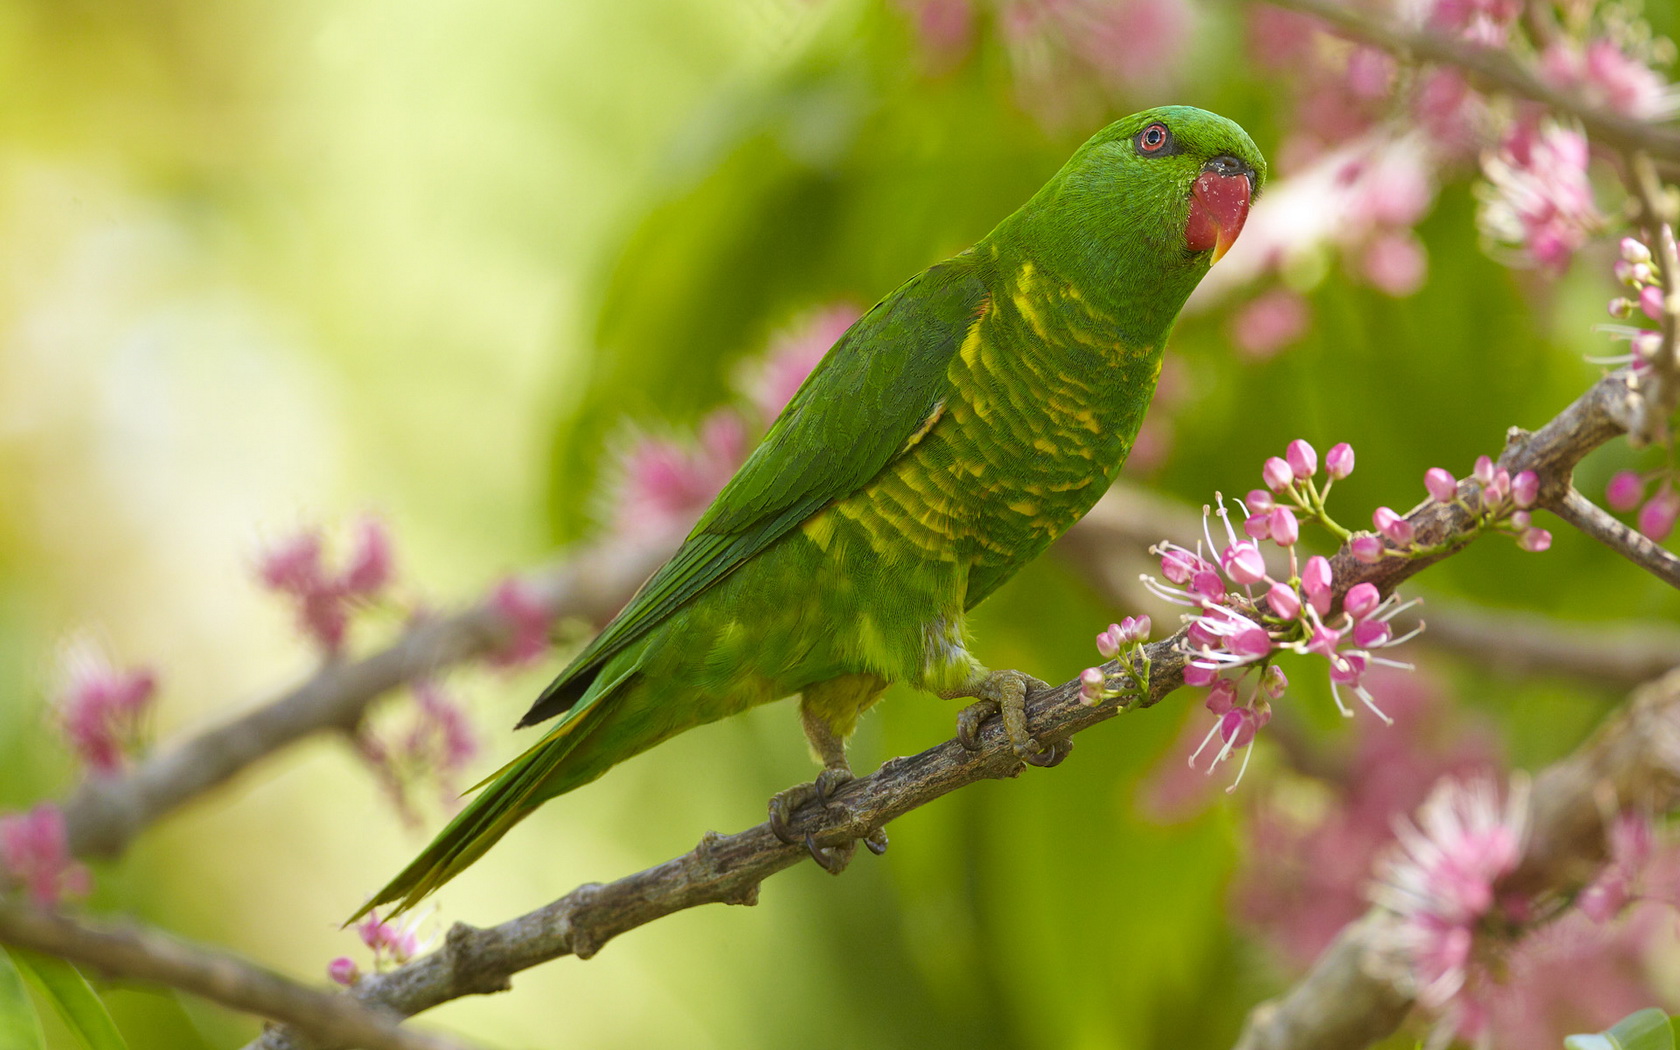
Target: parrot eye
{"points": [[1153, 139]]}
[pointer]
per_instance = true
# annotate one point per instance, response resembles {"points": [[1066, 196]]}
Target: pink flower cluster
{"points": [[1540, 199], [392, 943], [1608, 76], [435, 748], [1243, 615], [663, 485], [1484, 22], [528, 622], [102, 709], [325, 598], [35, 857], [1505, 504], [1440, 882]]}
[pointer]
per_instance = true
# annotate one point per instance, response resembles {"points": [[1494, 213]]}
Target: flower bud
{"points": [[1236, 727], [1656, 518], [1484, 471], [1284, 529], [1339, 461], [1090, 686], [1442, 486], [1273, 682], [1258, 526], [1651, 300], [1621, 308], [343, 970], [1625, 490], [1362, 600], [1366, 548], [1393, 526], [1108, 642], [1634, 251], [1534, 540], [1277, 474], [1525, 488], [1259, 501], [1284, 602], [1302, 458], [1253, 643], [1196, 673]]}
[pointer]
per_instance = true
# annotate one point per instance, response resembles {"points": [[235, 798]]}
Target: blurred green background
{"points": [[272, 264]]}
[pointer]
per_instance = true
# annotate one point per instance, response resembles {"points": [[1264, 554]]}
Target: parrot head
{"points": [[1153, 200]]}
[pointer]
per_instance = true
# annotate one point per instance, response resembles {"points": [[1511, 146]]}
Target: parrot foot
{"points": [[1005, 693], [783, 804]]}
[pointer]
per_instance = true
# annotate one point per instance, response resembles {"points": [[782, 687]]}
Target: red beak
{"points": [[1218, 209]]}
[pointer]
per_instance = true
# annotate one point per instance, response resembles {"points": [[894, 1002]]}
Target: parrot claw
{"points": [[784, 803], [833, 859], [876, 841], [1005, 693], [971, 718], [1050, 756]]}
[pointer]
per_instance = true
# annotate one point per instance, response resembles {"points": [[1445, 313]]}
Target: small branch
{"points": [[1356, 993], [1598, 523], [1493, 70], [1513, 643], [729, 869], [106, 813], [135, 953]]}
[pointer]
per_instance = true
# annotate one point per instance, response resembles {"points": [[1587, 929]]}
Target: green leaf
{"points": [[19, 1026], [1645, 1030], [65, 987]]}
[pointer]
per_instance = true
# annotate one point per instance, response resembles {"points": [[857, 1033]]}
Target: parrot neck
{"points": [[1133, 268]]}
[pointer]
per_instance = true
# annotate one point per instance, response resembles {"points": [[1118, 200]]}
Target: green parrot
{"points": [[944, 441]]}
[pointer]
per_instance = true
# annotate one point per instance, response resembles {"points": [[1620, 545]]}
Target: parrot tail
{"points": [[512, 793]]}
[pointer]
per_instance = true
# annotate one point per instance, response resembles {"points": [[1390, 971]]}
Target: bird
{"points": [[945, 439]]}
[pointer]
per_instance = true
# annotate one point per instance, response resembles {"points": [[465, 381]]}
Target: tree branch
{"points": [[729, 869], [106, 813], [1513, 643], [1493, 70], [1598, 523], [147, 955], [1355, 994]]}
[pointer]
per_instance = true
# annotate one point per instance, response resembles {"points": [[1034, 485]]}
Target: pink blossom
{"points": [[101, 709], [1625, 490], [528, 622], [1395, 263], [796, 350], [391, 940], [1361, 600], [1370, 72], [370, 566], [35, 857], [1609, 77], [1270, 322], [1280, 39], [1128, 42], [436, 747], [1657, 517], [1525, 488], [946, 27], [1277, 474], [325, 599], [1338, 462], [1282, 527], [1302, 458], [1483, 22], [1366, 548], [1396, 528], [1541, 201], [1283, 601], [1243, 564], [1091, 686], [665, 485], [343, 970], [1315, 582], [1440, 881]]}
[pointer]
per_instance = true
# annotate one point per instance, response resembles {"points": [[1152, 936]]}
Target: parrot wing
{"points": [[860, 407]]}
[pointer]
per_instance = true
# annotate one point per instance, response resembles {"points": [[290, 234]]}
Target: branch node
{"points": [[460, 956], [583, 941]]}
